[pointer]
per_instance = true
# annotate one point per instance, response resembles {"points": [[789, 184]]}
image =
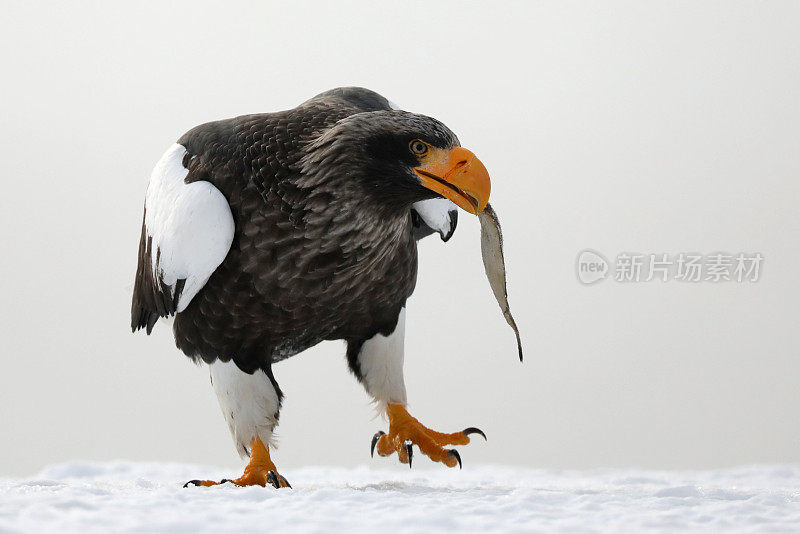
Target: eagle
{"points": [[265, 234]]}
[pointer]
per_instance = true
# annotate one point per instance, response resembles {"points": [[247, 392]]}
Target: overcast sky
{"points": [[633, 127]]}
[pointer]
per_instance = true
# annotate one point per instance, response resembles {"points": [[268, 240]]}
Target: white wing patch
{"points": [[436, 214], [190, 224]]}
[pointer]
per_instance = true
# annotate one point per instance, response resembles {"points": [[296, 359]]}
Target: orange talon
{"points": [[404, 428], [260, 471]]}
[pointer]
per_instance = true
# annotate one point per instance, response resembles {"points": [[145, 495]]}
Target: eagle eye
{"points": [[417, 147]]}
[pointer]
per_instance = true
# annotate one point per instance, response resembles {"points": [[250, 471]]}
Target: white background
{"points": [[646, 127]]}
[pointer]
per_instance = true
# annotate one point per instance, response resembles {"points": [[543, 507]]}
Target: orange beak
{"points": [[457, 175]]}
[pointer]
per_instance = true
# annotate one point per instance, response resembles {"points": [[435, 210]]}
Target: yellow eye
{"points": [[417, 147]]}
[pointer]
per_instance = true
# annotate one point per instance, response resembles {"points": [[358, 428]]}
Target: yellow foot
{"points": [[405, 431], [259, 472]]}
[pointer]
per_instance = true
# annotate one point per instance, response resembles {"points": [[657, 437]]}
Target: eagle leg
{"points": [[260, 471], [405, 430]]}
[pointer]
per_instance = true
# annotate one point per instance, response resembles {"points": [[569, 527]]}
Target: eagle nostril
{"points": [[457, 167]]}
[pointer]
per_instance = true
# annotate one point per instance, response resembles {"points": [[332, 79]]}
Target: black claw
{"points": [[454, 454], [285, 482], [193, 482], [410, 452], [272, 478], [473, 430], [375, 439], [224, 480]]}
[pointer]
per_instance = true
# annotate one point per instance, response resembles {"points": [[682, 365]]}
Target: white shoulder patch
{"points": [[394, 106], [191, 226], [436, 214]]}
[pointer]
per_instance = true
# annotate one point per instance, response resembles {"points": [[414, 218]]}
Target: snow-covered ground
{"points": [[148, 497]]}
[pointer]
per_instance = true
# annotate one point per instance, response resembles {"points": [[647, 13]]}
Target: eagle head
{"points": [[399, 158]]}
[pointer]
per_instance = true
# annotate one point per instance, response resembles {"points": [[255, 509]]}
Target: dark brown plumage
{"points": [[323, 245]]}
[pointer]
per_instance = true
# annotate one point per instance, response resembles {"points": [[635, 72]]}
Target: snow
{"points": [[148, 497]]}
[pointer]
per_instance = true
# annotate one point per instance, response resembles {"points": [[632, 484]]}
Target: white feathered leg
{"points": [[379, 366], [250, 404]]}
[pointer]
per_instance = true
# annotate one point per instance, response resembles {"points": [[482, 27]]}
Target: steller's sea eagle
{"points": [[266, 234]]}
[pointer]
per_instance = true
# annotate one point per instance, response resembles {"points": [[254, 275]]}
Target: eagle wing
{"points": [[186, 234]]}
